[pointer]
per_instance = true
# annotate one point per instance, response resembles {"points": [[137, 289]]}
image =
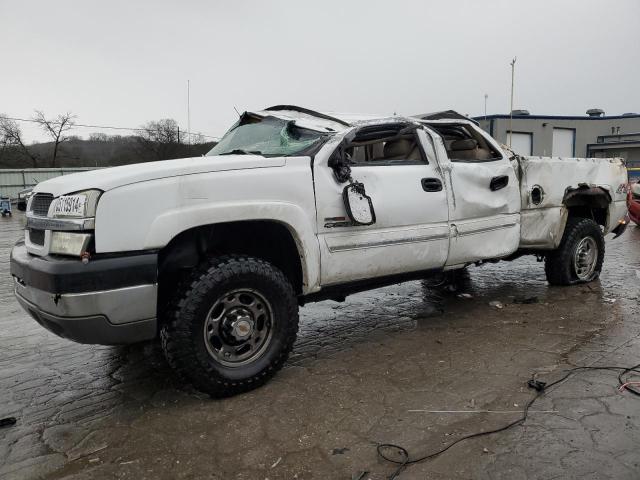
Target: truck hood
{"points": [[109, 178]]}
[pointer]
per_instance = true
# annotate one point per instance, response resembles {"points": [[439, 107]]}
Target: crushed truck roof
{"points": [[305, 118], [337, 122]]}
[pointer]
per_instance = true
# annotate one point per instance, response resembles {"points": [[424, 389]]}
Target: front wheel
{"points": [[579, 257], [232, 327]]}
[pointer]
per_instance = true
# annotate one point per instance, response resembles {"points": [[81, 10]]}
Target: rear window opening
{"points": [[464, 144]]}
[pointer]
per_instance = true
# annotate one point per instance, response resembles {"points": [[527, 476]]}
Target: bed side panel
{"points": [[543, 224]]}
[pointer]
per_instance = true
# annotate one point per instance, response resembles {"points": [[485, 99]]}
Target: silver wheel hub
{"points": [[242, 327], [239, 327], [585, 258]]}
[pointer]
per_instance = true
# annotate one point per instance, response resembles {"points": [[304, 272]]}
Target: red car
{"points": [[633, 202]]}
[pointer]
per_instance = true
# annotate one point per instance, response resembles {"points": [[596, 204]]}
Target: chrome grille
{"points": [[40, 204], [36, 236]]}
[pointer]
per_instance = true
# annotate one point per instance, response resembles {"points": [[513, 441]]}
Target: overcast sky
{"points": [[127, 62]]}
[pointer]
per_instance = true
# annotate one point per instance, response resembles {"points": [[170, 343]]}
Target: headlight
{"points": [[69, 243], [78, 205]]}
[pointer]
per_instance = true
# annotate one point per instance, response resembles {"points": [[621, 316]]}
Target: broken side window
{"points": [[464, 144], [385, 145]]}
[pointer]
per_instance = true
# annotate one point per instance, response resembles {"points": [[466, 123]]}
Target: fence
{"points": [[14, 180]]}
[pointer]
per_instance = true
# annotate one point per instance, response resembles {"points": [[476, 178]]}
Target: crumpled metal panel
{"points": [[543, 224]]}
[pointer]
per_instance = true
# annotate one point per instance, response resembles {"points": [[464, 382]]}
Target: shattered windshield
{"points": [[268, 136]]}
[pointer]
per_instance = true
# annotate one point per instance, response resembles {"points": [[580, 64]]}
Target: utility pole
{"points": [[189, 112], [485, 106], [513, 69]]}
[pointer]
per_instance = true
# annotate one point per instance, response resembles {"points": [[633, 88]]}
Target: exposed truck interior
{"points": [[385, 145], [465, 144]]}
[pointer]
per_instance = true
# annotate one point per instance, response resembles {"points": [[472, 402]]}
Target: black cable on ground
{"points": [[538, 386], [623, 383]]}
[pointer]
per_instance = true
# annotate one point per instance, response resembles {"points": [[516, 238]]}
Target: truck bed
{"points": [[545, 183]]}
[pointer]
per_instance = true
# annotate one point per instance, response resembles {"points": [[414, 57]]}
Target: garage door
{"points": [[563, 142], [521, 143]]}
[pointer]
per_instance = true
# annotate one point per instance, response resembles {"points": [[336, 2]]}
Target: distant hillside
{"points": [[108, 151]]}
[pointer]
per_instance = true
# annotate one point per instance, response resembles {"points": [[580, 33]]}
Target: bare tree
{"points": [[11, 136], [197, 139], [56, 129], [162, 138], [98, 137]]}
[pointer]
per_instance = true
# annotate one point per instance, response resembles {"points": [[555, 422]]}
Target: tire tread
{"points": [[176, 331], [558, 263]]}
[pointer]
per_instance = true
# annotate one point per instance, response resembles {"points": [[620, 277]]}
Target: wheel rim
{"points": [[585, 258], [239, 327]]}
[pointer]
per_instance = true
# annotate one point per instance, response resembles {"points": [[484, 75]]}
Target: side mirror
{"points": [[359, 206], [339, 164]]}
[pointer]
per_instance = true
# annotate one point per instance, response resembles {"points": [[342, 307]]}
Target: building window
{"points": [[564, 142], [521, 142]]}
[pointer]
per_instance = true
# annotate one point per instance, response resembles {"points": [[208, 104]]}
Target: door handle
{"points": [[499, 182], [431, 184]]}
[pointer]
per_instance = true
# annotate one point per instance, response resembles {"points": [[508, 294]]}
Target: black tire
{"points": [[190, 337], [560, 264]]}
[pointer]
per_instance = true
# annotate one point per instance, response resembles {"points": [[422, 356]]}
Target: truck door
{"points": [[484, 194], [411, 230]]}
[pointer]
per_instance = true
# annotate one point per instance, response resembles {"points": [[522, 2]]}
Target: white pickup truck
{"points": [[214, 254]]}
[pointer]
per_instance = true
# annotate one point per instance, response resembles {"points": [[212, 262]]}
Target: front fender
{"points": [[147, 215], [170, 224]]}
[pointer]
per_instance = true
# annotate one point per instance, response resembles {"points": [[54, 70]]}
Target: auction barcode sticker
{"points": [[70, 205]]}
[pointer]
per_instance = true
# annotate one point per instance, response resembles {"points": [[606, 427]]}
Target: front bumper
{"points": [[622, 226], [109, 301]]}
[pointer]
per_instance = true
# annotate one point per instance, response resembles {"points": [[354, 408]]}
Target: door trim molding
{"points": [[486, 229], [356, 244]]}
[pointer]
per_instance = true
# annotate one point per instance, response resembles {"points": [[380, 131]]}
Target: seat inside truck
{"points": [[465, 144]]}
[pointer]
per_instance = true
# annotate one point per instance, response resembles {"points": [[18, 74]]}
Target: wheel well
{"points": [[269, 240], [588, 202]]}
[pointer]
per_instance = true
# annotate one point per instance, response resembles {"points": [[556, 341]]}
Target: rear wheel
{"points": [[232, 327], [580, 255]]}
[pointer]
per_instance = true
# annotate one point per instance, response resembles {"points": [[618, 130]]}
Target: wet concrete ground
{"points": [[407, 364]]}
